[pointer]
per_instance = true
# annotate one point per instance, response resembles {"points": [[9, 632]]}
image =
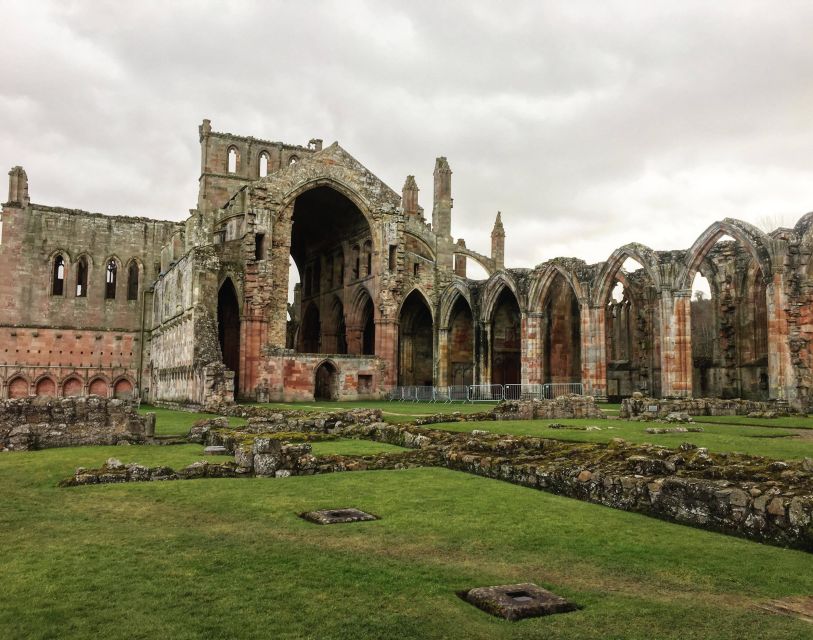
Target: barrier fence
{"points": [[484, 392]]}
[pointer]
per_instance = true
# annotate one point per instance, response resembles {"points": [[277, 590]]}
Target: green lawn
{"points": [[170, 422], [231, 559], [763, 441], [794, 422]]}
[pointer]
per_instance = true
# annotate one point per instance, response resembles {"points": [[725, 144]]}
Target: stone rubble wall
{"points": [[40, 423], [750, 496], [639, 406]]}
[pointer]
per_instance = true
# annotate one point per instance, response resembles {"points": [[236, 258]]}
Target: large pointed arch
{"points": [[493, 288], [457, 289], [642, 254], [416, 357], [228, 327], [752, 239], [544, 278]]}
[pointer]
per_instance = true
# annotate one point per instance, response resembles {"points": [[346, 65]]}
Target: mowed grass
{"points": [[721, 438], [232, 559], [171, 422]]}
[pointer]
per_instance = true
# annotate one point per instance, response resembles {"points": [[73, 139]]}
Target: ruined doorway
{"points": [[326, 382], [506, 340], [228, 328], [415, 342]]}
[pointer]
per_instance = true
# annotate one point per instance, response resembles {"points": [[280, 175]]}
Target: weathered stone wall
{"points": [[653, 408], [41, 423]]}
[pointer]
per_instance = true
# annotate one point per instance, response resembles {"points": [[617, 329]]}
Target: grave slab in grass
{"points": [[337, 516], [517, 601]]}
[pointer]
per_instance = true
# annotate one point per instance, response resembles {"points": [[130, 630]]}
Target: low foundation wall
{"points": [[639, 406], [754, 497], [40, 423]]}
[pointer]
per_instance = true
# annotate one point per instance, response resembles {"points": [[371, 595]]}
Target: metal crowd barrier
{"points": [[484, 392]]}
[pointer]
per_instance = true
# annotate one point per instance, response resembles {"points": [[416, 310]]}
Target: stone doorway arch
{"points": [[326, 382]]}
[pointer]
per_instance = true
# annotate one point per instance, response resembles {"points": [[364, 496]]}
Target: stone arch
{"points": [[19, 386], [481, 260], [45, 386], [415, 340], [326, 381], [287, 200], [752, 239], [642, 254], [123, 388], [505, 320], [72, 385], [228, 327], [492, 290], [134, 274], [361, 323], [457, 289], [460, 337], [545, 277], [99, 386]]}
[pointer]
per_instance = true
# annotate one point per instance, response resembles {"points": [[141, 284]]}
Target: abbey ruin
{"points": [[198, 312]]}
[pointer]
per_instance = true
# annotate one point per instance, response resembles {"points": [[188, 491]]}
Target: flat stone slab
{"points": [[215, 451], [517, 601], [337, 516]]}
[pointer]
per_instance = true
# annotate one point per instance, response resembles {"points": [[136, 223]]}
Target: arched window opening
{"points": [[232, 160], [506, 340], [415, 342], [293, 160], [58, 285], [263, 164], [132, 281], [179, 297], [259, 247], [110, 280], [618, 292], [82, 277]]}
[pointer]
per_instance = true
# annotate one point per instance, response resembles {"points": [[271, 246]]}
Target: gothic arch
{"points": [[18, 386], [492, 290], [423, 295], [287, 201], [355, 310], [448, 299], [749, 237], [542, 282], [642, 254]]}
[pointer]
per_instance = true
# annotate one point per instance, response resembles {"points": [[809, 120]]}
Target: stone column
{"points": [[781, 380], [594, 350], [442, 365], [676, 342], [485, 353], [386, 347], [532, 347]]}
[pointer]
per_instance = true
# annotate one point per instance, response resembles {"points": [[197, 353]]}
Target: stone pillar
{"points": [[460, 260], [594, 350], [409, 197], [781, 380], [442, 203], [498, 243], [532, 347], [676, 343], [386, 347], [280, 261], [442, 359], [485, 353]]}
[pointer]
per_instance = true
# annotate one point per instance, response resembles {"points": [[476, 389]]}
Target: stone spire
{"points": [[498, 243], [409, 197], [18, 187], [442, 206]]}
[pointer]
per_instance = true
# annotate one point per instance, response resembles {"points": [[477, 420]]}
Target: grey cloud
{"points": [[588, 124]]}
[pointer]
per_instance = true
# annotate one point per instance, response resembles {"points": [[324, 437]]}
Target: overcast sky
{"points": [[588, 124]]}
